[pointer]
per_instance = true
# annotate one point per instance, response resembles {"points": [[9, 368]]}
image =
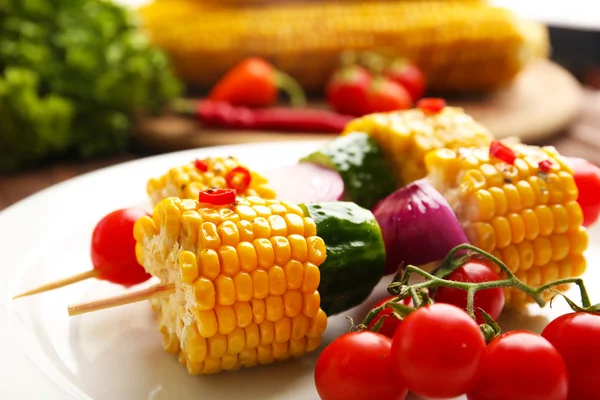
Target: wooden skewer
{"points": [[60, 283], [160, 290]]}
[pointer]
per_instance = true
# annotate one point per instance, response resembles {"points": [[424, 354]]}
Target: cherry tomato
{"points": [[587, 179], [409, 76], [437, 350], [391, 323], [521, 365], [357, 366], [385, 95], [475, 271], [347, 90], [113, 248], [575, 336]]}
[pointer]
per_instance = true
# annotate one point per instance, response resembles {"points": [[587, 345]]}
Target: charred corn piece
{"points": [[187, 180], [460, 46], [244, 293], [405, 137], [528, 218]]}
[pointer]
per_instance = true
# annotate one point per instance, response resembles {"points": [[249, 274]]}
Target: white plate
{"points": [[117, 354]]}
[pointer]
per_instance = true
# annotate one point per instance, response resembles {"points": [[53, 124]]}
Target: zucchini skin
{"points": [[355, 253]]}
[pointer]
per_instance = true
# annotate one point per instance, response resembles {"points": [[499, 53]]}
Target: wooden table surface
{"points": [[581, 139]]}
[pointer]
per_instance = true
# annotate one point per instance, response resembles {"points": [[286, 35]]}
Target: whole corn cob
{"points": [[461, 46], [526, 216], [405, 137], [187, 180], [246, 279]]}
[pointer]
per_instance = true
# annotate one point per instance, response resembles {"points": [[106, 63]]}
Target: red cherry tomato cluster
{"points": [[359, 90], [438, 351]]}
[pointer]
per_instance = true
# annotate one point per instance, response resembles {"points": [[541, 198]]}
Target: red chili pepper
{"points": [[201, 165], [217, 197], [254, 82], [347, 90], [502, 152], [545, 165], [431, 105], [238, 178], [225, 116]]}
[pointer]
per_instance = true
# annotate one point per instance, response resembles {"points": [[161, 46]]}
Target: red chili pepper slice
{"points": [[502, 152], [432, 105], [217, 197], [238, 178], [545, 165], [201, 165]]}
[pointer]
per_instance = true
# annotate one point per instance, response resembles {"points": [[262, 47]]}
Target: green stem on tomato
{"points": [[291, 87]]}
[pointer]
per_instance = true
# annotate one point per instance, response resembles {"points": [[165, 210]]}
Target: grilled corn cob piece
{"points": [[528, 218], [405, 137], [246, 279], [461, 46], [187, 181]]}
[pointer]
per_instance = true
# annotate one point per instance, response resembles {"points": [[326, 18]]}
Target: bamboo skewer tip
{"points": [[93, 273]]}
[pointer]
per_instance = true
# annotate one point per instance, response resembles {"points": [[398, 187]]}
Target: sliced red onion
{"points": [[418, 226], [306, 183]]}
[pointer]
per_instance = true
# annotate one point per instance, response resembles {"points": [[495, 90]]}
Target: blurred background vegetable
{"points": [[72, 75]]}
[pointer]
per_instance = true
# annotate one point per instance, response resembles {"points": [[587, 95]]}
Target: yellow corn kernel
{"points": [[277, 281], [578, 240], [258, 310], [578, 264], [532, 229], [261, 227], [311, 303], [299, 247], [262, 211], [204, 294], [522, 168], [568, 183], [295, 224], [225, 289], [293, 209], [560, 247], [207, 323], [188, 267], [510, 256], [300, 324], [144, 227], [274, 306], [248, 357], [317, 325], [298, 346], [243, 314], [482, 235], [500, 204], [517, 227], [247, 255], [209, 237], [267, 332], [543, 251], [170, 343], [209, 264], [226, 319], [472, 181], [276, 209], [172, 221], [575, 214], [503, 232], [482, 208], [292, 302], [556, 189], [264, 354], [190, 226], [545, 219], [278, 225], [560, 217], [195, 345], [192, 367], [513, 199], [540, 190], [493, 178], [228, 258], [236, 341], [252, 334], [294, 273], [260, 279], [282, 248], [229, 362], [229, 234], [217, 346], [280, 351], [283, 329], [310, 228], [312, 278], [245, 231], [256, 200], [550, 272], [246, 213], [534, 277], [243, 286], [265, 252], [212, 366], [526, 255], [229, 215]]}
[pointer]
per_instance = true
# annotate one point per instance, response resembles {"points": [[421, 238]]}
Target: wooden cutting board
{"points": [[542, 101]]}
